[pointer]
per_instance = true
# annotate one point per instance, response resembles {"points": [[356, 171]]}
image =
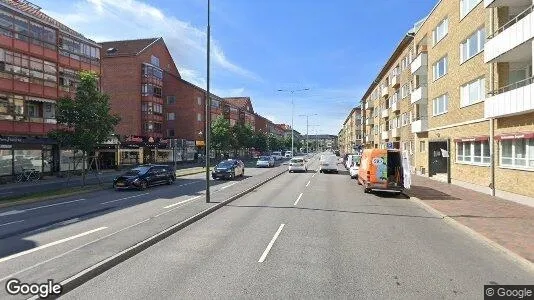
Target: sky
{"points": [[333, 48]]}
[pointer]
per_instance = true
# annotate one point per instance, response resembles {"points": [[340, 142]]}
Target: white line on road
{"points": [[182, 202], [308, 183], [227, 186], [296, 202], [314, 174], [4, 259], [3, 193], [9, 223], [264, 255], [188, 183], [70, 251], [124, 198], [14, 212]]}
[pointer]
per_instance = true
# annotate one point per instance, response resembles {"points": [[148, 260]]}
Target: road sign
{"points": [[390, 145]]}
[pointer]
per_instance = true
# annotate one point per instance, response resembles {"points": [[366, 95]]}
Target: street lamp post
{"points": [[307, 116], [292, 114], [208, 107]]}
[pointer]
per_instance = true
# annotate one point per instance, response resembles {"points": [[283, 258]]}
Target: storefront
{"points": [[134, 150], [19, 153]]}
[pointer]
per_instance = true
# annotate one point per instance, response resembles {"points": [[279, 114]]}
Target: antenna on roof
{"points": [[32, 5]]}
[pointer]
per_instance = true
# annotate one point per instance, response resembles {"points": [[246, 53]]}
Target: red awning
{"points": [[517, 135], [473, 139]]}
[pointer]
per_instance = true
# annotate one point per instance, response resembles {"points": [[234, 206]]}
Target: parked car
{"points": [[328, 163], [228, 169], [277, 155], [297, 164], [355, 166], [265, 161], [288, 154], [145, 176]]}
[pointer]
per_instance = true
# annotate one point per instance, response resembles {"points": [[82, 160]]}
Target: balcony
{"points": [[395, 132], [420, 125], [420, 63], [499, 3], [515, 99], [395, 106], [419, 94], [511, 42], [385, 135], [370, 121], [395, 81], [385, 91], [369, 104], [385, 113]]}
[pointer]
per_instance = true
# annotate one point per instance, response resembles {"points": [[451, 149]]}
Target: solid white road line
{"points": [[124, 198], [4, 259], [308, 183], [3, 193], [70, 251], [5, 224], [187, 184], [314, 174], [264, 255], [14, 212], [182, 202], [296, 202], [227, 186]]}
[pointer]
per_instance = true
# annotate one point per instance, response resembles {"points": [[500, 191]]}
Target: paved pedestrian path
{"points": [[507, 223]]}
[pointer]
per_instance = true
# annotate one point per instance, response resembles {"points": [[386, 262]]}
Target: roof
{"points": [[28, 8], [352, 111], [127, 47], [240, 102]]}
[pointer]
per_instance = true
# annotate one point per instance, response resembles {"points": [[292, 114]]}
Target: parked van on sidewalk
{"points": [[381, 170]]}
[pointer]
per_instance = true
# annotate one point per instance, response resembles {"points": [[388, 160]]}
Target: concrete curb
{"points": [[89, 273], [523, 262]]}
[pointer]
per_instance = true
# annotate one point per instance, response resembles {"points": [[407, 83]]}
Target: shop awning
{"points": [[473, 139], [517, 135], [40, 100]]}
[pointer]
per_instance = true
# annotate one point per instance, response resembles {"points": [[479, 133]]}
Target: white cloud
{"points": [[238, 92], [103, 20]]}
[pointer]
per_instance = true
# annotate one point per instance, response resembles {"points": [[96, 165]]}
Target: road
{"points": [[56, 239], [311, 235]]}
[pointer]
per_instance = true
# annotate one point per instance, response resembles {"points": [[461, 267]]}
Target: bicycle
{"points": [[28, 175]]}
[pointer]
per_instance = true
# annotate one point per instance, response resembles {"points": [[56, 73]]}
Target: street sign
{"points": [[390, 145]]}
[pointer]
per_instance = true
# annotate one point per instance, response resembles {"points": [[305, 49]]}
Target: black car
{"points": [[228, 169], [144, 176]]}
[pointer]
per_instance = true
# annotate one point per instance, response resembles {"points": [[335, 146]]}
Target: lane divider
{"points": [[308, 183], [182, 202], [264, 255], [9, 223], [296, 202], [14, 212], [120, 199]]}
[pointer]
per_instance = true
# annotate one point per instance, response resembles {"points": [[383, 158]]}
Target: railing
{"points": [[512, 86], [420, 118], [513, 21]]}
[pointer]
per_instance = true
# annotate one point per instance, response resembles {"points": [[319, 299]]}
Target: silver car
{"points": [[265, 161]]}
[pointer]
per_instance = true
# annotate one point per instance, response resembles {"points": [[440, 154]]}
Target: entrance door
{"points": [[437, 163]]}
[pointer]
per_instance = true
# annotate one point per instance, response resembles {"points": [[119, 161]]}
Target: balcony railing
{"points": [[512, 86], [513, 21]]}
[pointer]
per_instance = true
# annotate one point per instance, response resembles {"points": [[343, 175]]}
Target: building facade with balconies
{"points": [[350, 136], [509, 104], [39, 61]]}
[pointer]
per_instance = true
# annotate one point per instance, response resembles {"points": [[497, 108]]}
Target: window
{"points": [[440, 105], [422, 146], [517, 153], [154, 60], [215, 103], [467, 6], [171, 99], [199, 100], [404, 119], [473, 152], [199, 117], [439, 69], [170, 116], [472, 45], [440, 32], [473, 92], [405, 91]]}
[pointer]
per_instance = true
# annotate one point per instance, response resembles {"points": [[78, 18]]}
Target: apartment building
{"points": [[387, 105], [245, 111], [350, 135], [39, 60], [509, 105]]}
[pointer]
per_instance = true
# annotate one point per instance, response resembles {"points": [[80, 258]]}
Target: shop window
{"points": [[518, 153], [6, 159], [477, 152], [70, 160], [27, 160]]}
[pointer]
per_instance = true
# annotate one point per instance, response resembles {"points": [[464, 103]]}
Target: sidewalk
{"points": [[507, 223]]}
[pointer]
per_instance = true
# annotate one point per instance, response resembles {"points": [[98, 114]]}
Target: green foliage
{"points": [[221, 134], [87, 120]]}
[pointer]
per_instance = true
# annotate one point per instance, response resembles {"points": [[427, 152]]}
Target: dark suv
{"points": [[228, 169], [144, 176]]}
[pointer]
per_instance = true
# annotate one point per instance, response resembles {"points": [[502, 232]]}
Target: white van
{"points": [[277, 155], [288, 154], [328, 163]]}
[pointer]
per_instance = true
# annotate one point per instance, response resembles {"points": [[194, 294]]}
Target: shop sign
{"points": [[133, 139], [6, 146]]}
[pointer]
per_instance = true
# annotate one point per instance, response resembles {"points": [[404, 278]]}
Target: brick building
{"points": [[39, 60], [470, 106]]}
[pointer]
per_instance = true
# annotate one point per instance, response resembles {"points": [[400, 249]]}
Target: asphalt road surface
{"points": [[57, 239], [311, 235]]}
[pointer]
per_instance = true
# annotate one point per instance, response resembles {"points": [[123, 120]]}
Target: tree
{"points": [[86, 119], [220, 134], [259, 141], [273, 142]]}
